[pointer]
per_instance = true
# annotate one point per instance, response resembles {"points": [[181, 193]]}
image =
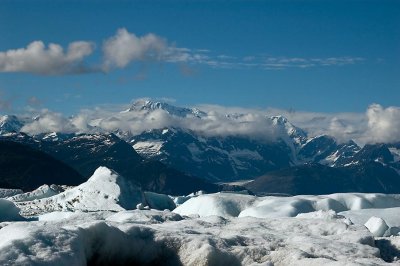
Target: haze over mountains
{"points": [[172, 145]]}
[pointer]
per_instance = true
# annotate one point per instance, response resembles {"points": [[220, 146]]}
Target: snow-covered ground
{"points": [[41, 192], [106, 221], [105, 190]]}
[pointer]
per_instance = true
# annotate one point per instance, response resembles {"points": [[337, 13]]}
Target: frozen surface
{"points": [[228, 205], [141, 237], [159, 201], [97, 223], [221, 204], [41, 192], [377, 226], [390, 215]]}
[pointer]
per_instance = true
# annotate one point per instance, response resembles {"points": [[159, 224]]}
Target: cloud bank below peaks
{"points": [[48, 121], [377, 124]]}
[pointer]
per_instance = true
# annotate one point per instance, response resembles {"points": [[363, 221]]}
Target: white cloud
{"points": [[125, 47], [383, 124], [49, 121], [120, 50], [38, 59], [212, 124], [342, 126], [377, 124], [271, 63]]}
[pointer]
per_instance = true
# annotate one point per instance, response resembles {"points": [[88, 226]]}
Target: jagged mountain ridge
{"points": [[213, 158]]}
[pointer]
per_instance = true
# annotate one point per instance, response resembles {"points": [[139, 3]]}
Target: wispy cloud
{"points": [[34, 101], [300, 62], [256, 62]]}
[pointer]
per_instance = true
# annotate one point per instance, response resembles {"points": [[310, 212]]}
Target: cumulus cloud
{"points": [[383, 124], [125, 47], [52, 60], [80, 123]]}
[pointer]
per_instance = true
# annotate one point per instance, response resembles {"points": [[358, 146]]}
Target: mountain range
{"points": [[175, 159]]}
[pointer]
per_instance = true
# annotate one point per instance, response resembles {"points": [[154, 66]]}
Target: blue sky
{"points": [[321, 56]]}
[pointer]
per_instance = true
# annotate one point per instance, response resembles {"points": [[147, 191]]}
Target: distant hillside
{"points": [[371, 177], [26, 168], [86, 152]]}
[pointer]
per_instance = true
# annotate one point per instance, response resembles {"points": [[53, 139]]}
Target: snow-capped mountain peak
{"points": [[291, 130], [279, 120], [10, 123], [149, 106]]}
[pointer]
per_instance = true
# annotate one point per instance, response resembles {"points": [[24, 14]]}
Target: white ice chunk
{"points": [[159, 201], [377, 226]]}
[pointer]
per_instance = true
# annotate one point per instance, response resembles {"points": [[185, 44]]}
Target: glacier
{"points": [[98, 223]]}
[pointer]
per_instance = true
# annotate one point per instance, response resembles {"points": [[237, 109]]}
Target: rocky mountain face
{"points": [[235, 157], [10, 123], [213, 158]]}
